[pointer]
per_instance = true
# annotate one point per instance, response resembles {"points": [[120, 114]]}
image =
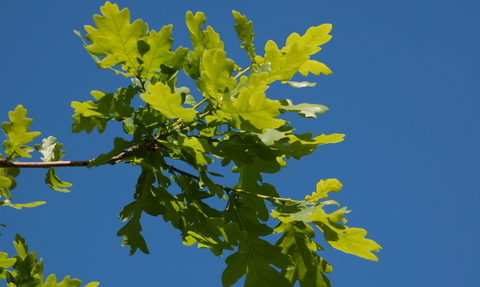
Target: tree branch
{"points": [[49, 164], [113, 160]]}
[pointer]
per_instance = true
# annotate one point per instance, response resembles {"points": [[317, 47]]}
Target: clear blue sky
{"points": [[405, 90]]}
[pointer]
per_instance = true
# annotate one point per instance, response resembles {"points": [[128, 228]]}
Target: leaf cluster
{"points": [[18, 134], [27, 271], [229, 120]]}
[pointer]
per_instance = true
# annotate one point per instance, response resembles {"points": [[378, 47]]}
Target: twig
{"points": [[49, 164]]}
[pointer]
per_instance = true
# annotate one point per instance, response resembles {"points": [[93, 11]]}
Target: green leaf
{"points": [[116, 38], [159, 51], [7, 181], [197, 148], [341, 237], [87, 124], [208, 231], [324, 187], [251, 181], [254, 259], [133, 212], [298, 146], [245, 33], [91, 114], [50, 149], [17, 132], [304, 110], [252, 110], [163, 100], [309, 267], [55, 182], [270, 137], [120, 145]]}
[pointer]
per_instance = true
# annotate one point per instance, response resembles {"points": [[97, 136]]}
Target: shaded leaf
{"points": [[133, 212], [120, 145], [7, 181], [309, 267], [55, 182], [254, 259]]}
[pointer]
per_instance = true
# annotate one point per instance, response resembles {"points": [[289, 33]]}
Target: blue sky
{"points": [[404, 90]]}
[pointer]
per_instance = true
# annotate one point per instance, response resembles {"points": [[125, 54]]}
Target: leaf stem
{"points": [[242, 72]]}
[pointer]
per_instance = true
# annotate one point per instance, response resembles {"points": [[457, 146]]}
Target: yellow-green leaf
{"points": [[161, 98], [285, 65], [315, 68], [216, 72], [252, 110], [194, 24], [159, 51], [244, 31], [323, 188], [6, 262], [116, 38], [318, 35], [22, 205], [18, 134], [341, 237]]}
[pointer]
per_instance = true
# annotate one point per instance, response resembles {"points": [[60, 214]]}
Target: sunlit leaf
{"points": [[22, 205], [244, 31], [301, 84], [216, 72], [116, 38], [6, 262], [17, 132], [315, 68], [304, 110], [252, 110], [324, 187], [162, 99], [341, 237], [159, 51]]}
